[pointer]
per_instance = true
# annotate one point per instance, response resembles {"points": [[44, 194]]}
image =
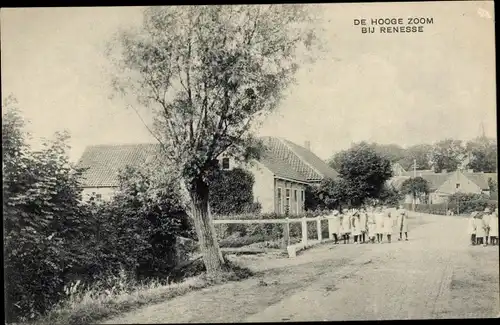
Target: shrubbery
{"points": [[460, 203], [52, 239], [231, 192]]}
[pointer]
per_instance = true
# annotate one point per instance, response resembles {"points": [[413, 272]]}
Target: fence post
{"points": [[286, 233], [304, 231], [318, 227], [330, 228]]}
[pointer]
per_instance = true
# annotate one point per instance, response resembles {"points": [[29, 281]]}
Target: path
{"points": [[430, 276]]}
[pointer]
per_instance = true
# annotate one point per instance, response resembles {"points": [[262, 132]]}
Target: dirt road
{"points": [[435, 274]]}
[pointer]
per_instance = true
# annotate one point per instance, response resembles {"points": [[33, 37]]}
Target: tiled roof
{"points": [[435, 180], [299, 159], [280, 168], [283, 158], [479, 179], [418, 172], [103, 162], [397, 181]]}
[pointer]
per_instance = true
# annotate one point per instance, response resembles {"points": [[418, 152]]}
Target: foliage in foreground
{"points": [[94, 305], [54, 238]]}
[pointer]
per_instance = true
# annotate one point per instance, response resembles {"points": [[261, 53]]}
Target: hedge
{"points": [[462, 208]]}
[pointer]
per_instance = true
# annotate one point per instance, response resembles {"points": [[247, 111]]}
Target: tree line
{"points": [[447, 154]]}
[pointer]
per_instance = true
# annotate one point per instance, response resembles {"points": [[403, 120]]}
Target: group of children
{"points": [[369, 225], [483, 226]]}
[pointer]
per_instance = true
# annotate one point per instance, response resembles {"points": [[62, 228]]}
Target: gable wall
{"points": [[466, 185]]}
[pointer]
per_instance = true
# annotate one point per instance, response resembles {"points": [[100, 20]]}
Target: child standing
{"points": [[363, 224], [494, 228], [402, 223], [346, 227], [356, 230], [379, 224], [480, 231], [388, 225], [334, 226], [471, 229], [371, 227]]}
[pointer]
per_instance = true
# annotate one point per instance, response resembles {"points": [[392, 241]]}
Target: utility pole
{"points": [[414, 176]]}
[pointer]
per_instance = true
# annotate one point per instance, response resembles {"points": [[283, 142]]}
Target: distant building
{"points": [[281, 175], [444, 184]]}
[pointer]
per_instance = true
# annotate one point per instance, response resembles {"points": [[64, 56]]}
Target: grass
{"points": [[93, 306]]}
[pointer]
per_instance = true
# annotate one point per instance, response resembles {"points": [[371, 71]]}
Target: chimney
{"points": [[470, 171], [307, 145], [444, 171]]}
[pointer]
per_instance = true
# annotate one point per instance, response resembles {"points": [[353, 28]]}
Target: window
{"points": [[287, 200], [458, 185], [295, 199], [98, 196], [225, 163], [279, 201]]}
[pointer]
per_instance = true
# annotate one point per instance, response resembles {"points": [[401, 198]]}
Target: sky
{"points": [[387, 88]]}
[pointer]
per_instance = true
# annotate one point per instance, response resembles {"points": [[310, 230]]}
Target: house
{"points": [[444, 184], [397, 169], [281, 174]]}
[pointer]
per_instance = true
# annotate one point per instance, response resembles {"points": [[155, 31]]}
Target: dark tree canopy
{"points": [[232, 192], [364, 171], [447, 154], [418, 154], [483, 155], [415, 186]]}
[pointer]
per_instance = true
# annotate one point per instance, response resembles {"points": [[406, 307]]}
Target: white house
{"points": [[281, 174], [444, 184]]}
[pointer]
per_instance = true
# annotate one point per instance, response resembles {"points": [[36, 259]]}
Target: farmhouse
{"points": [[444, 184], [281, 174]]}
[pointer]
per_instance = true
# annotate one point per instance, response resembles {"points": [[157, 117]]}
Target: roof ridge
{"points": [[282, 140], [120, 144]]}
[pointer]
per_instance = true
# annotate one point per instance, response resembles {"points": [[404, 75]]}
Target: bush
{"points": [[231, 192], [52, 238], [466, 204]]}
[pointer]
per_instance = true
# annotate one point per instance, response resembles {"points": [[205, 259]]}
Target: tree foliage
{"points": [[447, 154], [483, 155], [418, 153], [52, 238], [208, 73], [415, 187], [329, 194], [231, 192], [392, 152], [41, 212], [364, 171]]}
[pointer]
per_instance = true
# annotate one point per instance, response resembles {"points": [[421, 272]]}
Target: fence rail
{"points": [[286, 230]]}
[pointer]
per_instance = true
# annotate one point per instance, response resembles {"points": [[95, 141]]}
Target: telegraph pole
{"points": [[414, 176]]}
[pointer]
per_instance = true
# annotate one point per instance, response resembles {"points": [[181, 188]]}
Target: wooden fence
{"points": [[305, 242]]}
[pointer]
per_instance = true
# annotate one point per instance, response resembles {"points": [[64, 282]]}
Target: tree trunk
{"points": [[207, 240]]}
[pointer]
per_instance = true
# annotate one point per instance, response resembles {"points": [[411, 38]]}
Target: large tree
{"points": [[393, 152], [415, 187], [447, 155], [483, 155], [364, 171], [208, 73], [418, 154]]}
